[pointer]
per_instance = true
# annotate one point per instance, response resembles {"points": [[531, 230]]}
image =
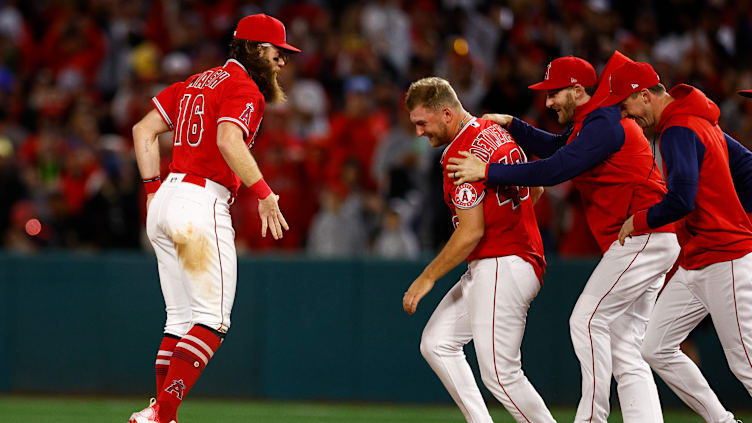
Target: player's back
{"points": [[510, 224], [194, 108]]}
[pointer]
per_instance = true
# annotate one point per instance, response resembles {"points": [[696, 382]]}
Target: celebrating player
{"points": [[610, 162], [702, 165], [496, 232], [215, 116]]}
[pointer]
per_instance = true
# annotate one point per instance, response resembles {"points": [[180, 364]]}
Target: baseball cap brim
{"points": [[288, 48], [545, 85], [746, 93]]}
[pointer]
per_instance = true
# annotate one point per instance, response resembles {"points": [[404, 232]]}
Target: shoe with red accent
{"points": [[149, 414]]}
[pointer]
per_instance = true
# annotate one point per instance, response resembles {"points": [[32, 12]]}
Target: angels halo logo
{"points": [[465, 195]]}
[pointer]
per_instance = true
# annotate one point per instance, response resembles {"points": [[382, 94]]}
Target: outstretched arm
{"points": [[462, 242], [533, 140], [601, 136]]}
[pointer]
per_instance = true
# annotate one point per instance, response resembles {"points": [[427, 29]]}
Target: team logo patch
{"points": [[465, 195], [245, 117], [176, 387]]}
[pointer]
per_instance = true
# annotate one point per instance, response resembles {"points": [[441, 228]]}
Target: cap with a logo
{"points": [[746, 93], [628, 79], [565, 72], [265, 29]]}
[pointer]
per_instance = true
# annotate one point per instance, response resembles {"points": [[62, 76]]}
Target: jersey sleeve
{"points": [[466, 195], [601, 136], [166, 103], [682, 152], [244, 107], [740, 164]]}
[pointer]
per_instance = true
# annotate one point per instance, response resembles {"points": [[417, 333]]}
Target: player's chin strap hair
{"points": [[152, 185]]}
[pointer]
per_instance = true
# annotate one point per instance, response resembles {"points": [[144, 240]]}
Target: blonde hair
{"points": [[432, 93]]}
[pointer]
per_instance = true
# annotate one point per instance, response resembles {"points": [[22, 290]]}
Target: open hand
{"points": [[503, 120], [469, 169], [418, 289], [271, 216]]}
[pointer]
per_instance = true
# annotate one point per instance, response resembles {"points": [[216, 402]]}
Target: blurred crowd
{"points": [[352, 176]]}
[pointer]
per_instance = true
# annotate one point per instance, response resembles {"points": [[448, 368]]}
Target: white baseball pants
{"points": [[489, 306], [608, 325], [725, 291], [191, 231]]}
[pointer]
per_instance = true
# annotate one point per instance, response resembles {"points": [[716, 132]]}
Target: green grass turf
{"points": [[22, 409]]}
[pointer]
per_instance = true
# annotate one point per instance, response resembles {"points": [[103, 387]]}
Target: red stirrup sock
{"points": [[190, 357], [163, 358]]}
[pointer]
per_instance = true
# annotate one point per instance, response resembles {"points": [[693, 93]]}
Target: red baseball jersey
{"points": [[510, 225], [194, 108]]}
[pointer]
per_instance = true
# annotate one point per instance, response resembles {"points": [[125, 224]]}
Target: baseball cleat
{"points": [[147, 415]]}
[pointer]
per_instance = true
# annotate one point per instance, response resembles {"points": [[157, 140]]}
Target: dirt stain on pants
{"points": [[194, 251]]}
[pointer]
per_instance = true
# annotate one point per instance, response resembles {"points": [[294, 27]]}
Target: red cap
{"points": [[265, 29], [628, 79], [746, 93], [565, 72]]}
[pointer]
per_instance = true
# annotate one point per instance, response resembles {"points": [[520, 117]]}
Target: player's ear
{"points": [[447, 114], [645, 95]]}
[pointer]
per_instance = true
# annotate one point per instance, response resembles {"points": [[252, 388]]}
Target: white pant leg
{"points": [[215, 289], [193, 228], [726, 289], [623, 275], [445, 335], [638, 394], [171, 276], [499, 294], [677, 312]]}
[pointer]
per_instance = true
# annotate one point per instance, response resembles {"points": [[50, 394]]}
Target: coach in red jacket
{"points": [[702, 164]]}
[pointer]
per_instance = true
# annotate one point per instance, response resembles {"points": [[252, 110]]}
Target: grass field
{"points": [[21, 409]]}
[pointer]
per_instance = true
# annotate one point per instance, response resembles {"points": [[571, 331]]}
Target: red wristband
{"points": [[152, 185], [261, 189]]}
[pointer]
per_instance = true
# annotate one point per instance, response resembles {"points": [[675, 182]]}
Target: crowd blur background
{"points": [[352, 176]]}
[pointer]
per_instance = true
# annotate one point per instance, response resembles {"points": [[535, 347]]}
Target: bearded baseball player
{"points": [[702, 166], [215, 116], [496, 232], [611, 163]]}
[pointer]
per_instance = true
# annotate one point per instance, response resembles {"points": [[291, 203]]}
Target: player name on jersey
{"points": [[209, 79], [489, 139]]}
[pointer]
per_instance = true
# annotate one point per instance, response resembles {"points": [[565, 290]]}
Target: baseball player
{"points": [[496, 232], [702, 164], [610, 162], [215, 116]]}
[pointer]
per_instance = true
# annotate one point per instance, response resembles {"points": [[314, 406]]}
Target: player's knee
{"points": [[652, 353], [429, 346], [432, 346], [578, 323], [503, 373]]}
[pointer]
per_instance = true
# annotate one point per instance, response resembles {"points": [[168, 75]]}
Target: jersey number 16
{"points": [[190, 120]]}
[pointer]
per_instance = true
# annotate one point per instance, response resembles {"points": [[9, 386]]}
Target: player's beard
{"points": [[567, 110], [259, 69], [265, 77]]}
